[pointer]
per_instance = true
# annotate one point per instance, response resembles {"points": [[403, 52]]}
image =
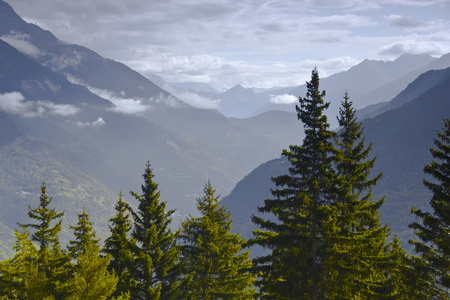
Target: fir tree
{"points": [[91, 279], [358, 240], [84, 235], [214, 254], [295, 267], [119, 246], [156, 272], [433, 229]]}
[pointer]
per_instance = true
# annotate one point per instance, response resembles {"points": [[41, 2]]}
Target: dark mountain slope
{"points": [[19, 73]]}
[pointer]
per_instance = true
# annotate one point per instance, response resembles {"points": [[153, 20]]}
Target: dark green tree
{"points": [[433, 228], [295, 267], [357, 239], [214, 254], [157, 272], [119, 246]]}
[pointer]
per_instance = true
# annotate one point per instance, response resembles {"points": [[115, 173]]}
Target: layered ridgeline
{"points": [[401, 137]]}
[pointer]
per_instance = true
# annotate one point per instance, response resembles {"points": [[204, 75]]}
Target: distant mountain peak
{"points": [[239, 90]]}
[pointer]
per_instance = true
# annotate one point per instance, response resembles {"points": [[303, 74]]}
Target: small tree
{"points": [[433, 229], [53, 263], [91, 279], [214, 254], [84, 235], [20, 277], [119, 246]]}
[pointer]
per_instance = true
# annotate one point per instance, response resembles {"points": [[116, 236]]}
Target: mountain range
{"points": [[87, 125]]}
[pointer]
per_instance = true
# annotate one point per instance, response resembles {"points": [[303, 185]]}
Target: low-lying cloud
{"points": [[193, 99], [15, 103], [283, 99], [128, 106], [21, 42], [97, 123]]}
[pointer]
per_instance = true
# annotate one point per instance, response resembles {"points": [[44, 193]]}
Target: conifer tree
{"points": [[295, 267], [433, 228], [91, 279], [214, 254], [20, 277], [157, 272], [53, 263], [357, 239], [84, 235], [119, 246]]}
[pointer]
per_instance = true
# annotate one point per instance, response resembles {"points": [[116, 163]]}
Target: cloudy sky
{"points": [[257, 43]]}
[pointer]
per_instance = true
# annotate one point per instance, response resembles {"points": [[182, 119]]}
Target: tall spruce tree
{"points": [[295, 267], [53, 263], [214, 254], [157, 272], [119, 246], [433, 228], [357, 239]]}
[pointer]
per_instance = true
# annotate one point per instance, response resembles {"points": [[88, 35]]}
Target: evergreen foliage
{"points": [[91, 280], [213, 254], [84, 235], [157, 272], [119, 246], [295, 267], [47, 264], [358, 240], [433, 229]]}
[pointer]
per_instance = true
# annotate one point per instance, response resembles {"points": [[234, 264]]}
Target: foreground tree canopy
{"points": [[323, 238]]}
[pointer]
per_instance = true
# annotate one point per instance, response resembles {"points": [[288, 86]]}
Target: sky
{"points": [[255, 43]]}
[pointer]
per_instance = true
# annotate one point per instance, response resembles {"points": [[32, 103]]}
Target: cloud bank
{"points": [[15, 103]]}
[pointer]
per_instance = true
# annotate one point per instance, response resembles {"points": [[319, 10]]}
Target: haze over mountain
{"points": [[87, 125], [368, 83]]}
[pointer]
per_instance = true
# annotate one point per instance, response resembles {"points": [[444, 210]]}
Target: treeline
{"points": [[324, 238]]}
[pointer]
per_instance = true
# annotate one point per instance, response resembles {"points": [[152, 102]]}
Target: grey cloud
{"points": [[403, 21]]}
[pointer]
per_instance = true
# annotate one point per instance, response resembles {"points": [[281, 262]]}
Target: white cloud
{"points": [[58, 109], [128, 106], [21, 42], [97, 123], [15, 103], [413, 45], [283, 99]]}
